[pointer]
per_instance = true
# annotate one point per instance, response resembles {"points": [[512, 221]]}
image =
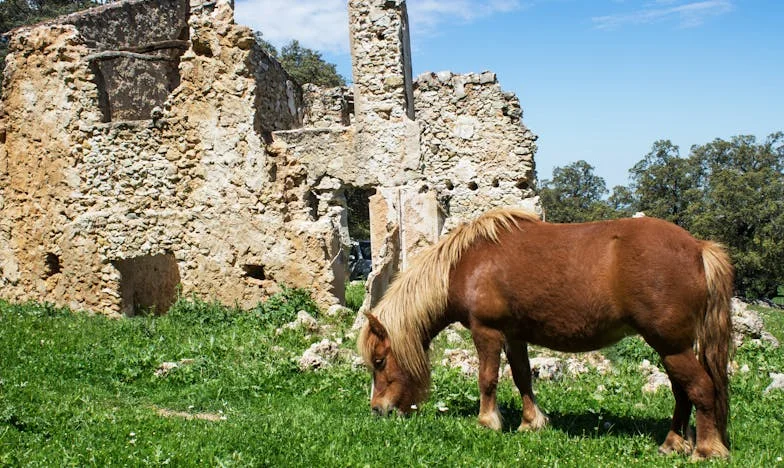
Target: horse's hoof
{"points": [[700, 454], [492, 421], [677, 445], [539, 422]]}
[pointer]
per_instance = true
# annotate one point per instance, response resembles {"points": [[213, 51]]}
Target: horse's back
{"points": [[581, 286]]}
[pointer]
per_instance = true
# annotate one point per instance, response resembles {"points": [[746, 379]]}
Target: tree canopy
{"points": [[730, 191], [303, 64], [575, 194]]}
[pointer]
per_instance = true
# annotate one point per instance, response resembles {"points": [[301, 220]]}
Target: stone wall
{"points": [[194, 184], [135, 53], [138, 160], [476, 152]]}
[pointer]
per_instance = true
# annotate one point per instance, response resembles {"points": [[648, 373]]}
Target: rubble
{"points": [[655, 378]]}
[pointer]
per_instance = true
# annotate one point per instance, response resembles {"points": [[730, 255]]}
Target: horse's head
{"points": [[393, 389]]}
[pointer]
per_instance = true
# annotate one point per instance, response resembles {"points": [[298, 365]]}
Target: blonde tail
{"points": [[714, 340]]}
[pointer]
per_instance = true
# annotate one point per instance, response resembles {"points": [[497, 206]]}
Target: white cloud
{"points": [[323, 24], [317, 24], [430, 13], [686, 14]]}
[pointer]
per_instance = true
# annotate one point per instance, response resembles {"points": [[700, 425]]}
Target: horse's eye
{"points": [[379, 363]]}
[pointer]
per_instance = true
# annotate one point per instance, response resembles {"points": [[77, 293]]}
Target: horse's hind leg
{"points": [[679, 439], [517, 353], [488, 344], [685, 371]]}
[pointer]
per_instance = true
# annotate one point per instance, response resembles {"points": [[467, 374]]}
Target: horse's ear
{"points": [[376, 327]]}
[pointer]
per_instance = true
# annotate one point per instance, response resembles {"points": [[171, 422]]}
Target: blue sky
{"points": [[598, 80]]}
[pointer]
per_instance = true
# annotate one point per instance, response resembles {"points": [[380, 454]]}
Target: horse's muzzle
{"points": [[382, 411]]}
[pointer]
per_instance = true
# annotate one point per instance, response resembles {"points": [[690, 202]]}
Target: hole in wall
{"points": [[449, 185], [358, 211], [472, 185], [51, 265], [254, 271], [358, 220], [348, 109], [312, 203], [495, 183], [148, 284], [523, 184], [103, 95]]}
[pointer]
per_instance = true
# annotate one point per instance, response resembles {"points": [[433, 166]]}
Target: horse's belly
{"points": [[573, 335]]}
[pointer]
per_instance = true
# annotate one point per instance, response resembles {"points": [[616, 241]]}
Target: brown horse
{"points": [[512, 280]]}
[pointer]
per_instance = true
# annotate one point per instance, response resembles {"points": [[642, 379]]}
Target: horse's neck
{"points": [[437, 327]]}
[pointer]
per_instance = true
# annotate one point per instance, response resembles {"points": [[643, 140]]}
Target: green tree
{"points": [[303, 64], [574, 195], [621, 201], [664, 184], [742, 205], [307, 66]]}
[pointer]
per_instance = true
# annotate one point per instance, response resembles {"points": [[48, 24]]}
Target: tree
{"points": [[307, 66], [742, 205], [621, 201], [663, 184], [303, 64], [574, 195]]}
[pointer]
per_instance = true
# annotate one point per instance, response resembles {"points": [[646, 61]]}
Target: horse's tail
{"points": [[714, 333]]}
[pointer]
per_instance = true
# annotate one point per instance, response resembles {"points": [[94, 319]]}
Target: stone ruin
{"points": [[152, 148]]}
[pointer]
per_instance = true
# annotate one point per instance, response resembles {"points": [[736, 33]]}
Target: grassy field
{"points": [[82, 390]]}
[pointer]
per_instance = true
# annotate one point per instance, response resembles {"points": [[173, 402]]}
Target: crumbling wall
{"points": [[135, 53], [47, 92], [387, 134], [193, 185], [151, 145], [475, 149], [330, 107]]}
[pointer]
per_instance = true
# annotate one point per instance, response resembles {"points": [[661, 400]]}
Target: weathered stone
{"points": [[304, 321], [546, 368], [655, 378], [319, 355], [748, 324], [205, 153], [777, 382], [462, 359]]}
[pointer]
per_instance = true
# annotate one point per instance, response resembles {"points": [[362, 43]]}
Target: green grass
{"points": [[80, 390], [355, 294]]}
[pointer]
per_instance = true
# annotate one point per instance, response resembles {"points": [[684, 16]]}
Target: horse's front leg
{"points": [[517, 353], [488, 344]]}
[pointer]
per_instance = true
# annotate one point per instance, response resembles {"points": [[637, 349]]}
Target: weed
{"points": [[283, 307], [355, 295]]}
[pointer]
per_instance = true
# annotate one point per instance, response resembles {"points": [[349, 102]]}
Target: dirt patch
{"points": [[167, 413]]}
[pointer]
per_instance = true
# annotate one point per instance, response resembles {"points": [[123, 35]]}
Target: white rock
{"points": [[547, 368], [777, 383], [320, 355]]}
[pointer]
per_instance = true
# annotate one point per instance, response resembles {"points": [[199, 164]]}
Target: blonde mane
{"points": [[418, 296]]}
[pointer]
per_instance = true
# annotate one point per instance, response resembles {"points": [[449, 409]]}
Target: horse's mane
{"points": [[418, 296]]}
